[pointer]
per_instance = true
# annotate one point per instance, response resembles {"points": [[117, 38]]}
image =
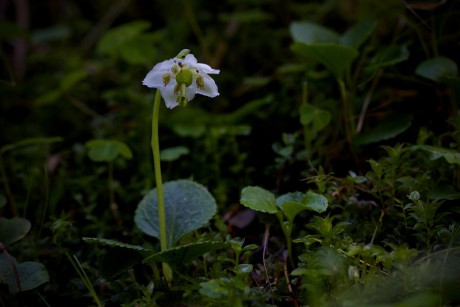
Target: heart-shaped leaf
{"points": [[12, 230], [258, 199], [319, 118], [357, 34], [107, 150], [437, 68], [188, 206], [311, 33], [337, 58], [450, 155], [173, 153], [384, 130], [291, 209], [315, 202], [30, 274]]}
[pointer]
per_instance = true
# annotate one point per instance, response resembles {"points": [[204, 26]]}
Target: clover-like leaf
{"points": [[30, 274], [173, 153], [12, 230], [357, 34], [315, 202], [337, 58], [258, 199], [107, 150], [318, 118], [437, 68]]}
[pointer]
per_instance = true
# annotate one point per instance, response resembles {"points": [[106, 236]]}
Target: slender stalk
{"points": [[84, 277], [347, 118], [159, 183]]}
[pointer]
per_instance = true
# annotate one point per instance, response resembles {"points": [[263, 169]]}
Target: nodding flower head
{"points": [[180, 78]]}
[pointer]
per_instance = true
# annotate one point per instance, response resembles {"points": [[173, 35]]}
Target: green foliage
{"points": [[178, 256], [346, 112], [12, 230], [129, 43], [22, 276], [107, 150], [188, 205], [438, 68]]}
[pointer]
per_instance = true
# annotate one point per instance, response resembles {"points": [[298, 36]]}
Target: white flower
{"points": [[180, 78]]}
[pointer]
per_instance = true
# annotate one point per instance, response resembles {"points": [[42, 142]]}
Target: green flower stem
{"points": [[286, 227], [159, 183], [347, 116]]}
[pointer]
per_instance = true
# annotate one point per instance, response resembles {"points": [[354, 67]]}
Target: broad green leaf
{"points": [[31, 274], [315, 202], [180, 255], [292, 208], [290, 204], [107, 150], [317, 117], [173, 153], [188, 206], [386, 129], [258, 199], [12, 230], [337, 58], [357, 34], [444, 192], [288, 197], [388, 57], [137, 50], [311, 33], [113, 39], [437, 68], [451, 156]]}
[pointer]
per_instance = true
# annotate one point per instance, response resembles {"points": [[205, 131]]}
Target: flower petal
{"points": [[190, 60], [155, 78], [210, 87], [165, 65], [190, 92], [204, 68], [167, 92]]}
